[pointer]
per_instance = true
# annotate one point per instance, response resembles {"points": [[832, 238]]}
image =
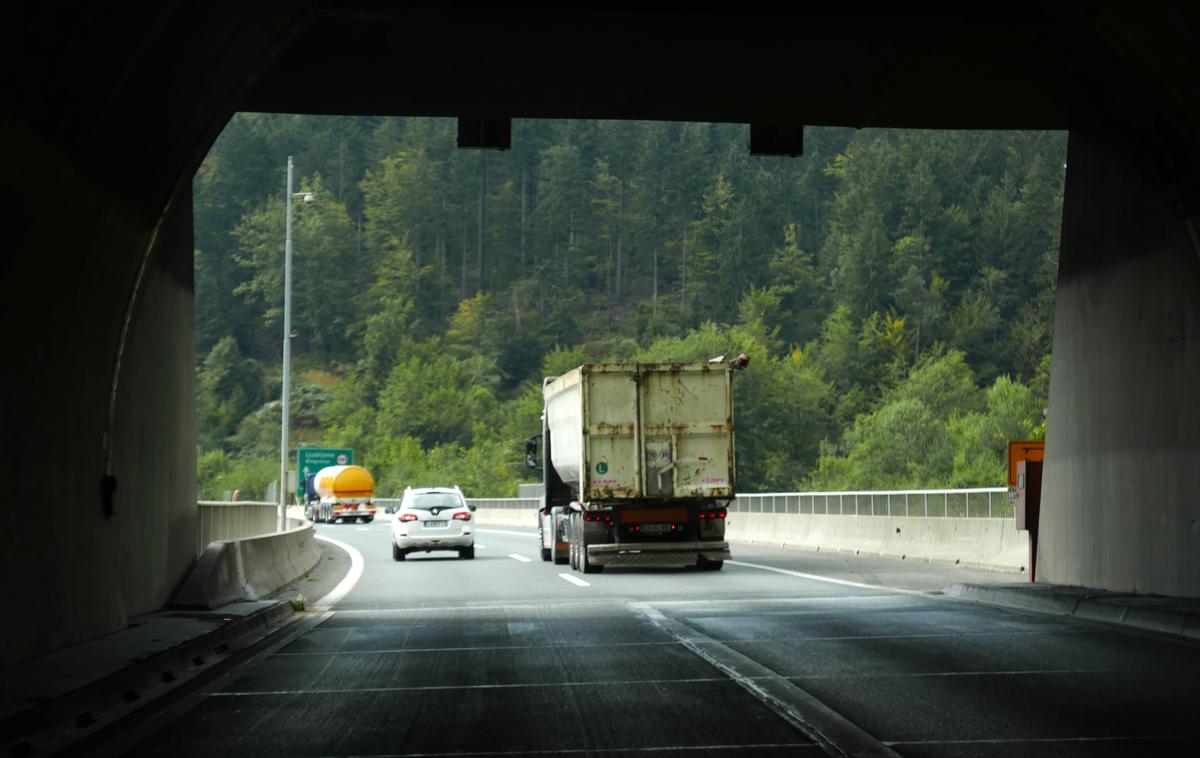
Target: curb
{"points": [[56, 724], [1118, 610]]}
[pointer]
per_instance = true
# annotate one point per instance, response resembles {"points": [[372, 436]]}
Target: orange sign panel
{"points": [[1023, 450]]}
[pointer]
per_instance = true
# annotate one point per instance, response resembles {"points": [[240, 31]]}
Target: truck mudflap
{"points": [[659, 554]]}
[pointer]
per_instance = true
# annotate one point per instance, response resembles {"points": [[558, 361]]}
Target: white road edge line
{"points": [[520, 558], [830, 580], [347, 584], [575, 580]]}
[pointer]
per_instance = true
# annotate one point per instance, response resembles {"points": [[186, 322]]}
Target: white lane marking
{"points": [[733, 640], [439, 687], [364, 528], [520, 558], [505, 531], [830, 580], [481, 547], [575, 580], [347, 584]]}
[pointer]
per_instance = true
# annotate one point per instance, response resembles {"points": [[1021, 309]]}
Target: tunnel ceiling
{"points": [[138, 99]]}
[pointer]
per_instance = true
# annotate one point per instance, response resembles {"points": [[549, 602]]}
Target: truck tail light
{"points": [[462, 516], [408, 517]]}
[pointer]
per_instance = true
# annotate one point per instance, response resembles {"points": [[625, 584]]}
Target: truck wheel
{"points": [[587, 566], [466, 552], [397, 553], [368, 519], [542, 543], [707, 565]]}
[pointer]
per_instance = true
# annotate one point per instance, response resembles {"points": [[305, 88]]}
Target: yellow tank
{"points": [[344, 484]]}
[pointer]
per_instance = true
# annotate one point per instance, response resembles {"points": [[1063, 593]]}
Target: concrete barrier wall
{"points": [[978, 542], [250, 568], [526, 517]]}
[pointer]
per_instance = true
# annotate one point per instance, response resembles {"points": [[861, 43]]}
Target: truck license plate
{"points": [[656, 528]]}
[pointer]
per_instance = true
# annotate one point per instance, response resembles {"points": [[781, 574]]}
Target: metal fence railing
{"points": [[221, 520], [510, 503], [986, 502]]}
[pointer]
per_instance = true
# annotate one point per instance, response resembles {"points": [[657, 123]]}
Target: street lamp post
{"points": [[287, 353]]}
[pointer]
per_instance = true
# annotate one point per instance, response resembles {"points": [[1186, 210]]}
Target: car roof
{"points": [[447, 490]]}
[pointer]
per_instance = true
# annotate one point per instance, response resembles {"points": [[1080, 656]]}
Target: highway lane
{"points": [[502, 656]]}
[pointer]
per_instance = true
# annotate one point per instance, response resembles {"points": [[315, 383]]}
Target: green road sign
{"points": [[310, 460]]}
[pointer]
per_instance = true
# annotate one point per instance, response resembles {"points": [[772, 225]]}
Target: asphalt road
{"points": [[782, 653]]}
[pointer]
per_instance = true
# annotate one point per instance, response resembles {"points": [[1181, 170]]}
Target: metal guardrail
{"points": [[221, 520], [987, 502]]}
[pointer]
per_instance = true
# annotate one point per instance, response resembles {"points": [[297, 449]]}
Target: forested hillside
{"points": [[894, 290]]}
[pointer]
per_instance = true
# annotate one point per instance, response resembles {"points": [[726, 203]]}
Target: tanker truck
{"points": [[638, 465], [345, 493]]}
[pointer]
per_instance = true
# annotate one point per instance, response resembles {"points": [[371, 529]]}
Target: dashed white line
{"points": [[520, 558], [574, 580], [481, 547]]}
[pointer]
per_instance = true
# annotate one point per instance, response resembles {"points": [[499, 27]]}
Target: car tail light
{"points": [[408, 517], [462, 516]]}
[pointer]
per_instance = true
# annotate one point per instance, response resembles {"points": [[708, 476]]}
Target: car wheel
{"points": [[466, 552], [397, 553]]}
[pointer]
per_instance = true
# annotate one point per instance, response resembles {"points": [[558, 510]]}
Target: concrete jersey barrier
{"points": [[250, 568]]}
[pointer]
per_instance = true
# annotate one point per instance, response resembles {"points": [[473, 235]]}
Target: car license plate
{"points": [[435, 524]]}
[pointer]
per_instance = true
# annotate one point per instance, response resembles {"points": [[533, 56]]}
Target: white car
{"points": [[433, 518]]}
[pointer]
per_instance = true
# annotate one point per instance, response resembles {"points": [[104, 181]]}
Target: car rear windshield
{"points": [[425, 501]]}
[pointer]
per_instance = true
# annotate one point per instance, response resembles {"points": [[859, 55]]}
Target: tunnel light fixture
{"points": [[484, 133], [777, 139]]}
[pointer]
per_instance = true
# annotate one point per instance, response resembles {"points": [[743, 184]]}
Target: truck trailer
{"points": [[638, 465]]}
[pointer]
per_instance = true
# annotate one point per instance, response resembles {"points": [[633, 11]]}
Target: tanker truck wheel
{"points": [[542, 542], [707, 565]]}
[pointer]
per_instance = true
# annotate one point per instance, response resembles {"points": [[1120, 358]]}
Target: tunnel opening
{"points": [[895, 287]]}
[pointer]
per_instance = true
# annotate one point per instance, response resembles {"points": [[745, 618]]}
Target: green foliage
{"points": [[893, 289]]}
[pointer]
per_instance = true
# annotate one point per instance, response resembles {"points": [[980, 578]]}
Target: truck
{"points": [[637, 462], [343, 492]]}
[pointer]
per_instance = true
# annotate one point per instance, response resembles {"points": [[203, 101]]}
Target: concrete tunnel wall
{"points": [[72, 573], [1121, 490]]}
